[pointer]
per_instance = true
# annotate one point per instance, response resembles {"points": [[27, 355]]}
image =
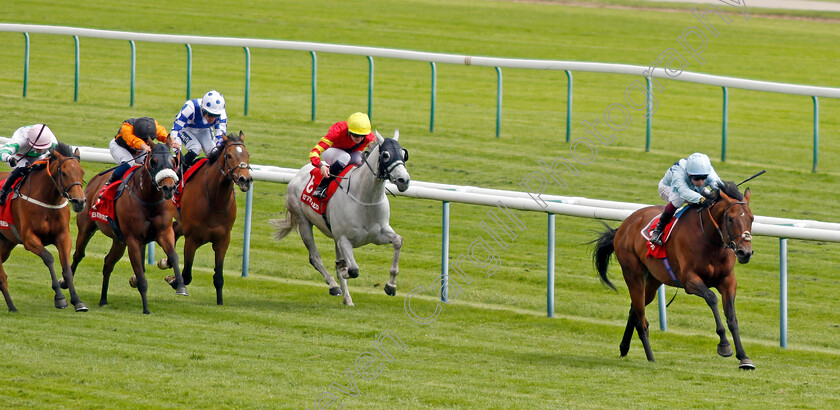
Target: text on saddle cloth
{"points": [[317, 204]]}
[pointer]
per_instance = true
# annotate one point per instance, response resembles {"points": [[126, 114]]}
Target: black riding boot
{"points": [[187, 160], [667, 214], [16, 173], [321, 190], [119, 172]]}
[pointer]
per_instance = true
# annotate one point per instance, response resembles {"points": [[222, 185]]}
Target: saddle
{"points": [[187, 175], [653, 249], [317, 204], [6, 221], [104, 209]]}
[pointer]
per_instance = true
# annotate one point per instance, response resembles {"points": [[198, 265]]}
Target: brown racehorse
{"points": [[41, 218], [702, 250], [144, 212], [208, 208]]}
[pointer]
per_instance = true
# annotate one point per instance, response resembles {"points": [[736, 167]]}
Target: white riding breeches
{"points": [[667, 193], [333, 155], [123, 155], [198, 139]]}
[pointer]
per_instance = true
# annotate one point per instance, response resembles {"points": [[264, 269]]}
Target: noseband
{"points": [[385, 168], [228, 172], [729, 243]]}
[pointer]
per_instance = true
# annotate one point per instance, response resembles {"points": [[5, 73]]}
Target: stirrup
{"points": [[656, 238], [320, 193]]}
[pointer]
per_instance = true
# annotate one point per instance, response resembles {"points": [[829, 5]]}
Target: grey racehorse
{"points": [[356, 215]]}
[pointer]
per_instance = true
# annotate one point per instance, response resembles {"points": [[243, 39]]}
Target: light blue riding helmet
{"points": [[698, 164]]}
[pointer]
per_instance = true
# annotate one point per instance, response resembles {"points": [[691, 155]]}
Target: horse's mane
{"points": [[64, 149], [730, 189], [234, 137]]}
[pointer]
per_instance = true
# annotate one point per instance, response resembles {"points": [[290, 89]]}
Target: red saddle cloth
{"points": [[317, 204], [6, 221], [653, 249], [187, 175], [103, 209]]}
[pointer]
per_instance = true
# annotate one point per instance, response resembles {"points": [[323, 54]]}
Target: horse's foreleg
{"points": [[33, 244], [341, 268], [220, 249], [697, 287], [135, 254], [305, 229], [64, 246], [727, 294], [116, 252], [166, 240], [389, 236], [86, 228]]}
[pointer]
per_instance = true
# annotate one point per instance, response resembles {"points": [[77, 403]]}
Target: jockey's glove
{"points": [[12, 162]]}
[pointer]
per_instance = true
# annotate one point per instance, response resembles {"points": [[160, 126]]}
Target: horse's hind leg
{"points": [[635, 280], [389, 236], [4, 287], [86, 229], [305, 230], [116, 252]]}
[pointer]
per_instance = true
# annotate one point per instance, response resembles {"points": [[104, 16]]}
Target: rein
{"points": [[730, 243]]}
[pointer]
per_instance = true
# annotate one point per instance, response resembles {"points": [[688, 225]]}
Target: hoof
{"points": [[103, 303], [390, 290], [725, 351], [170, 279], [62, 284], [623, 350], [81, 307], [353, 273], [746, 364], [182, 291], [133, 281], [164, 264], [13, 309], [349, 303], [61, 303], [336, 291]]}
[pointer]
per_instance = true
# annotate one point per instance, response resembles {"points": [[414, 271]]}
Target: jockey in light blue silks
{"points": [[28, 144], [201, 124], [685, 181]]}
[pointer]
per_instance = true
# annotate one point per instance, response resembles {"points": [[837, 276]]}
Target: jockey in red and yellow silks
{"points": [[342, 146]]}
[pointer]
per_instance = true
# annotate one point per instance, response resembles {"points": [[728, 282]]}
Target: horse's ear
{"points": [[379, 138], [76, 153], [747, 196], [241, 136], [397, 135]]}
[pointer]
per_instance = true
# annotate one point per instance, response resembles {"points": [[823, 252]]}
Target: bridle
{"points": [[229, 171], [59, 184], [161, 174], [385, 166], [728, 241]]}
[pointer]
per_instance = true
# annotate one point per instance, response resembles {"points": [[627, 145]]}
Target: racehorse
{"points": [[356, 215], [209, 208], [41, 217], [144, 213], [702, 249]]}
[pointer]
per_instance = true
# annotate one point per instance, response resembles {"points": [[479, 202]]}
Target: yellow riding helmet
{"points": [[358, 123]]}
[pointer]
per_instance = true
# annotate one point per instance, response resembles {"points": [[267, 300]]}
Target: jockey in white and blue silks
{"points": [[201, 124], [28, 144], [685, 181]]}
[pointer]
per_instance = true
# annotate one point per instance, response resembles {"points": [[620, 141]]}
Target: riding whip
{"points": [[754, 176]]}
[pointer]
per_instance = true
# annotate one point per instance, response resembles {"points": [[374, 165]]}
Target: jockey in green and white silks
{"points": [[685, 181], [28, 144]]}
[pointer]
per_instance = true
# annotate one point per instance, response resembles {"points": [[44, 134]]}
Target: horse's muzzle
{"points": [[168, 191], [78, 204], [402, 184], [743, 255], [244, 183]]}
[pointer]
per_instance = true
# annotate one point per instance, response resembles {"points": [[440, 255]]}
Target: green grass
{"points": [[280, 340]]}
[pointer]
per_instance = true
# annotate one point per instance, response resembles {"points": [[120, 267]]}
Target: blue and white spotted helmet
{"points": [[698, 164], [213, 103]]}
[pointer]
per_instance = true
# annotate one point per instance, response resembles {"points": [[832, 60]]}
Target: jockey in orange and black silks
{"points": [[342, 146], [135, 137], [28, 144]]}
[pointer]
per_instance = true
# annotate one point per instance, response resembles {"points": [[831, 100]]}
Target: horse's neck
{"points": [[39, 185], [217, 184], [143, 186], [364, 185], [710, 226]]}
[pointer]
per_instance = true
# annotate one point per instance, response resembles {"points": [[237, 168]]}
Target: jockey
{"points": [[201, 123], [342, 146], [28, 145], [135, 137], [685, 181]]}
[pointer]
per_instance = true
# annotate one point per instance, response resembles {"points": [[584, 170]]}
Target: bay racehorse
{"points": [[357, 214], [702, 250], [144, 213], [41, 217], [208, 208]]}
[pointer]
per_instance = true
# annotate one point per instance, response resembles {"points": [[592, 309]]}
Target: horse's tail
{"points": [[601, 255], [283, 226]]}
